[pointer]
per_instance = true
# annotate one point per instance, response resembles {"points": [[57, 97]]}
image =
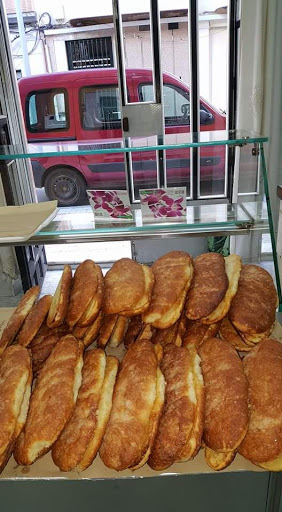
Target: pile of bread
{"points": [[185, 381]]}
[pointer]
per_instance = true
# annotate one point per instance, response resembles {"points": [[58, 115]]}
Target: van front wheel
{"points": [[66, 185]]}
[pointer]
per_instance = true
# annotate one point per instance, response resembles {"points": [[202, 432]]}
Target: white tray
{"points": [[19, 223]]}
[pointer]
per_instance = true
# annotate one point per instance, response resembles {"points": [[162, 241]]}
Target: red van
{"points": [[84, 106]]}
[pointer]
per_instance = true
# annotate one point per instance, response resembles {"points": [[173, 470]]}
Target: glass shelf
{"points": [[217, 219], [132, 144]]}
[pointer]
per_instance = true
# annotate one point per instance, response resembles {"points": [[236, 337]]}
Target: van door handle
{"points": [[125, 124]]}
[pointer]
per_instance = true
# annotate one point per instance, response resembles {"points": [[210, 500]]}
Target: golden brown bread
{"points": [[193, 446], [209, 285], [253, 308], [228, 333], [124, 286], [142, 305], [42, 351], [60, 302], [95, 305], [79, 332], [256, 338], [93, 330], [226, 409], [18, 317], [103, 414], [118, 332], [108, 323], [165, 336], [134, 328], [173, 274], [218, 460], [43, 344], [196, 333], [52, 400], [84, 288], [137, 404], [146, 333], [233, 265], [89, 419], [263, 369], [181, 329], [182, 418], [34, 320], [173, 334], [15, 383]]}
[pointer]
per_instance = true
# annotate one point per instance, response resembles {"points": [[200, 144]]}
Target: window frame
{"points": [[67, 110]]}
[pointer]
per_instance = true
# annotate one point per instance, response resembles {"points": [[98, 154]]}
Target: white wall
{"points": [[84, 8], [175, 57], [36, 59]]}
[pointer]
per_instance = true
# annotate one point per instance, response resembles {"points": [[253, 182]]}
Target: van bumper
{"points": [[38, 171]]}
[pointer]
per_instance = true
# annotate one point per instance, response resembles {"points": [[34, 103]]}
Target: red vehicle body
{"points": [[83, 106]]}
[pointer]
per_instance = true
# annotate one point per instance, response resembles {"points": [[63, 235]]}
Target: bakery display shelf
{"points": [[45, 469], [203, 220], [132, 144]]}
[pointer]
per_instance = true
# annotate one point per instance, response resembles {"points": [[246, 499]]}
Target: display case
{"points": [[242, 214], [246, 217]]}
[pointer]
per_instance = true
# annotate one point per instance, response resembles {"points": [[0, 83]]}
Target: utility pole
{"points": [[26, 65]]}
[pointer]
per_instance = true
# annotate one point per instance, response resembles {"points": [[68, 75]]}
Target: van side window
{"points": [[176, 103], [100, 108], [47, 110]]}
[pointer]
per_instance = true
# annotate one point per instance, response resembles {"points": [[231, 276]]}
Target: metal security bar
{"points": [[132, 112], [90, 53]]}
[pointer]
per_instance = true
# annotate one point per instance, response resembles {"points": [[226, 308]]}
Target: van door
{"points": [[177, 121], [176, 101], [98, 120]]}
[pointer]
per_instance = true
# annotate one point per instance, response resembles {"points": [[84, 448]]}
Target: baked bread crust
{"points": [[228, 333], [95, 305], [129, 431], [209, 285], [15, 377], [233, 265], [18, 317], [52, 400], [72, 444], [108, 323], [118, 332], [253, 308], [173, 274], [92, 331], [263, 369], [226, 409], [60, 302], [133, 330], [196, 333], [177, 423], [34, 320], [43, 344], [218, 460], [84, 287], [124, 286]]}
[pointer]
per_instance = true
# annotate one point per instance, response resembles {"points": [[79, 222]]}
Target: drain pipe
{"points": [[26, 64]]}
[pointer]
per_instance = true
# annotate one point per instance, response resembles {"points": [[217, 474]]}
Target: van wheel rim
{"points": [[65, 189]]}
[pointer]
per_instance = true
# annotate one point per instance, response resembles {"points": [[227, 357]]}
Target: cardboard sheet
{"points": [[44, 468], [19, 223]]}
